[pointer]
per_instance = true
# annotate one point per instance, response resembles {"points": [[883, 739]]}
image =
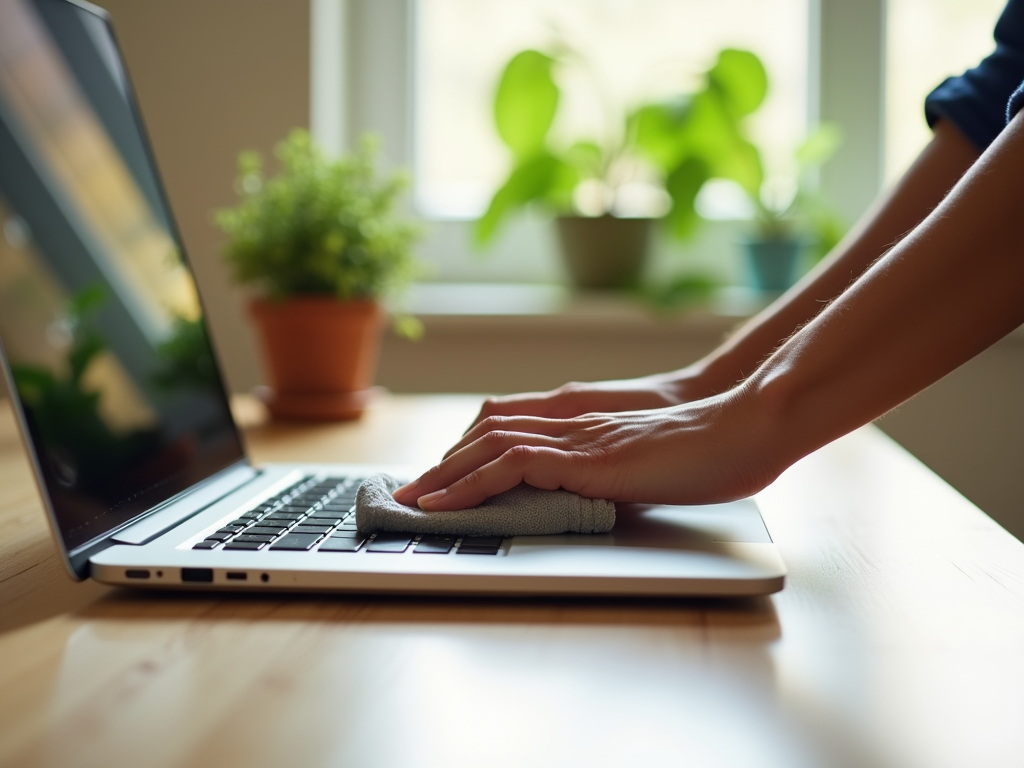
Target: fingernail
{"points": [[425, 502], [404, 492]]}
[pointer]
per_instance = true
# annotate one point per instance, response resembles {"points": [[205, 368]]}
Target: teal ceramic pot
{"points": [[772, 264], [604, 252]]}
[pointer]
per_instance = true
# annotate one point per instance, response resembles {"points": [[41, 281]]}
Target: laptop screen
{"points": [[100, 320]]}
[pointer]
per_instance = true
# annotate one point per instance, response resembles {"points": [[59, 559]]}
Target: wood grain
{"points": [[898, 641]]}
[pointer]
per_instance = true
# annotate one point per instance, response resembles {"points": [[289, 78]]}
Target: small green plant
{"points": [[65, 408], [799, 213], [677, 143], [186, 360], [321, 226]]}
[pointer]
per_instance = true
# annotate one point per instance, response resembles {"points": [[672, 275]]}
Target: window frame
{"points": [[368, 83]]}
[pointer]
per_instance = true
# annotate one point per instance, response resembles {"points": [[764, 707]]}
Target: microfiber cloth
{"points": [[521, 511]]}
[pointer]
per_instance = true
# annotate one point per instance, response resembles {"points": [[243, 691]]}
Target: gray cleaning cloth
{"points": [[521, 511]]}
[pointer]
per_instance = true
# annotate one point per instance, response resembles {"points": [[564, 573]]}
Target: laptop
{"points": [[126, 420]]}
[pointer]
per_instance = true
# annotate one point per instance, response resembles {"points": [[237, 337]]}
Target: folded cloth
{"points": [[522, 511]]}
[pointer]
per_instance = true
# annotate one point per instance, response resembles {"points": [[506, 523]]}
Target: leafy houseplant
{"points": [[670, 147], [788, 222], [322, 243]]}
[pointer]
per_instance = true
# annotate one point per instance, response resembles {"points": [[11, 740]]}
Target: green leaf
{"points": [[712, 132], [82, 353], [680, 292], [586, 157], [740, 77], [540, 177], [743, 165], [682, 185], [526, 102], [85, 301], [819, 146], [661, 131]]}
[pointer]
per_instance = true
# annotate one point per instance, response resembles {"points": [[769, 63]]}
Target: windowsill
{"points": [[484, 306]]}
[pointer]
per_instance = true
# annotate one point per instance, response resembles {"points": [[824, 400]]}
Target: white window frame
{"points": [[363, 79]]}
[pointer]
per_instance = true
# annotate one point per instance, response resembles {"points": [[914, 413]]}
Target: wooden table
{"points": [[898, 641]]}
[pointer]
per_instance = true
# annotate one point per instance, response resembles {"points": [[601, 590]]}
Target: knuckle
{"points": [[520, 454], [495, 437], [493, 422], [473, 479], [434, 471]]}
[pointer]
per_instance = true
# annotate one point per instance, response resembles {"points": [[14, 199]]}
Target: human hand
{"points": [[708, 451], [577, 398]]}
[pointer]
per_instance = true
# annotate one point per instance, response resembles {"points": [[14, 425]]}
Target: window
{"points": [[421, 74], [637, 50], [928, 40]]}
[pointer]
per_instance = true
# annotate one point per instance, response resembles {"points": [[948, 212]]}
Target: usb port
{"points": [[197, 574], [237, 576], [137, 573]]}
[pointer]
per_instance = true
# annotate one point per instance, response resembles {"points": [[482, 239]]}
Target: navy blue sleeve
{"points": [[1016, 103], [976, 101]]}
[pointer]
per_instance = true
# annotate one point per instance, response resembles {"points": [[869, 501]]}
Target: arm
{"points": [[924, 185], [947, 291]]}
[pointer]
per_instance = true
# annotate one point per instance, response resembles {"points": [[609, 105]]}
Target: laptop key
{"points": [[464, 550], [244, 545], [284, 516], [435, 545], [340, 545], [208, 544], [258, 538], [297, 541], [304, 528], [482, 541], [348, 534], [390, 542], [220, 536], [266, 530]]}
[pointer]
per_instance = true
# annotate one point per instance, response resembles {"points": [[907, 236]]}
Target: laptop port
{"points": [[236, 576], [137, 573], [197, 574]]}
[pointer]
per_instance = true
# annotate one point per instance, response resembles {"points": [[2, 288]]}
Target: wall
{"points": [[214, 78]]}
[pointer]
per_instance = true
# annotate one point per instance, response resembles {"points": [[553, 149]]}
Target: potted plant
{"points": [[648, 161], [323, 245], [790, 218]]}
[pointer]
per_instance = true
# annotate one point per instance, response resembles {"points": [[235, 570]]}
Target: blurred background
{"points": [[214, 78]]}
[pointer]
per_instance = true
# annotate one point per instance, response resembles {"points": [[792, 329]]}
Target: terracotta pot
{"points": [[321, 355], [604, 251]]}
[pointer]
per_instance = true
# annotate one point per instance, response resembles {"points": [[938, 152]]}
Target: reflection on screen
{"points": [[99, 315]]}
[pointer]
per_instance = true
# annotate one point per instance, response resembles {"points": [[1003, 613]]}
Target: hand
{"points": [[696, 453], [576, 398]]}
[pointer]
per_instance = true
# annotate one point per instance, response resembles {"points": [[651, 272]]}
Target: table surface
{"points": [[898, 641]]}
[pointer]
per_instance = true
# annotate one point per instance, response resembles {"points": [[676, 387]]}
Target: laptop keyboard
{"points": [[317, 514]]}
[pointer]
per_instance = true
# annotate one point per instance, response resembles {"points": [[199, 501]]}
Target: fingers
{"points": [[539, 466], [462, 463], [526, 404], [504, 424]]}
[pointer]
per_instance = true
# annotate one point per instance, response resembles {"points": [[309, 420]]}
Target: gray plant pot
{"points": [[772, 263], [604, 252]]}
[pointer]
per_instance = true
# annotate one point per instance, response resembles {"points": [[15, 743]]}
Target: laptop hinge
{"points": [[194, 502]]}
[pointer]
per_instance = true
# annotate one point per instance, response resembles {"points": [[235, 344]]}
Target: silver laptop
{"points": [[124, 413]]}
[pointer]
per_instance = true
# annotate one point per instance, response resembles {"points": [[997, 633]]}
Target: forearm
{"points": [[948, 290], [921, 189]]}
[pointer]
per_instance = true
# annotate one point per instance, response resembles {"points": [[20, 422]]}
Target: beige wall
{"points": [[214, 78]]}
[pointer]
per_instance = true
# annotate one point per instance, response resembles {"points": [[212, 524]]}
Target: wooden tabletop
{"points": [[898, 641]]}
